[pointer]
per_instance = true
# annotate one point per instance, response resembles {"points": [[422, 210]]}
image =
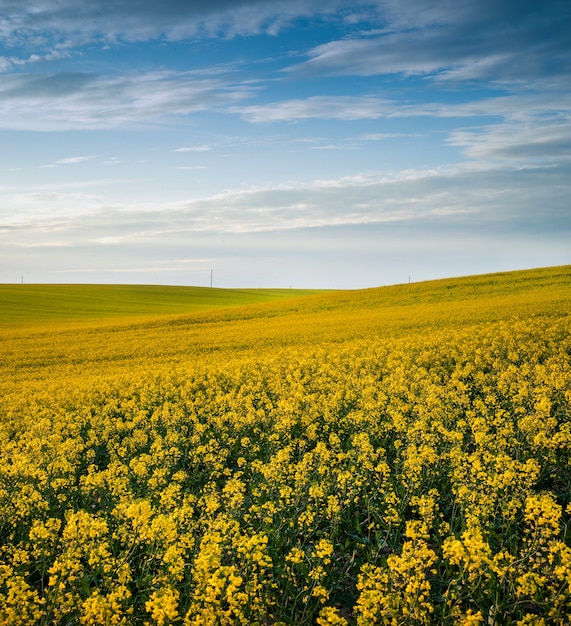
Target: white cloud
{"points": [[74, 22], [5, 64], [8, 63], [73, 160], [87, 101], [329, 146], [204, 148], [516, 141], [322, 107], [40, 244], [434, 222], [526, 106], [529, 125], [50, 196], [481, 194], [453, 41]]}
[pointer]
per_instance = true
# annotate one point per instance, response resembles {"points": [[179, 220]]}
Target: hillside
{"points": [[29, 305], [393, 455], [81, 331]]}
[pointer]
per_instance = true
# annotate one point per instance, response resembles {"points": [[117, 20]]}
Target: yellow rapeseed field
{"points": [[394, 456]]}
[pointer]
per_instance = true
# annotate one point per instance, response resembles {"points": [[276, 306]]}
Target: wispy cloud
{"points": [[75, 22], [518, 106], [462, 41], [50, 196], [516, 141], [482, 196], [329, 146], [528, 125], [9, 63], [204, 148], [77, 100], [323, 107], [73, 160], [40, 244]]}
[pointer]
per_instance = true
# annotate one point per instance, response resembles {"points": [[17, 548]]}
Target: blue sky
{"points": [[283, 143]]}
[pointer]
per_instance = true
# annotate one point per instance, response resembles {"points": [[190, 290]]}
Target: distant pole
{"points": [[211, 279], [409, 279], [22, 279]]}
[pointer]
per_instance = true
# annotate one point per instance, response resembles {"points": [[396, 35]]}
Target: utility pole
{"points": [[211, 278]]}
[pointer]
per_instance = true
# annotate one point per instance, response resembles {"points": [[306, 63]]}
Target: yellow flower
{"points": [[320, 592], [471, 618], [324, 550], [295, 556], [163, 606], [329, 616]]}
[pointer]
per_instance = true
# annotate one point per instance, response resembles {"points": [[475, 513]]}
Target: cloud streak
{"points": [[460, 41], [88, 101], [193, 149], [519, 106], [516, 141], [479, 196], [74, 22]]}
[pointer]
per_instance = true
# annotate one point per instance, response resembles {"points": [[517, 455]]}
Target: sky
{"points": [[331, 144]]}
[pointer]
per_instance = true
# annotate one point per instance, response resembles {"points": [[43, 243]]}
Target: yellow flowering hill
{"points": [[399, 455]]}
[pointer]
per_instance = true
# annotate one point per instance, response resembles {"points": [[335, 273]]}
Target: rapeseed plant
{"points": [[352, 466]]}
